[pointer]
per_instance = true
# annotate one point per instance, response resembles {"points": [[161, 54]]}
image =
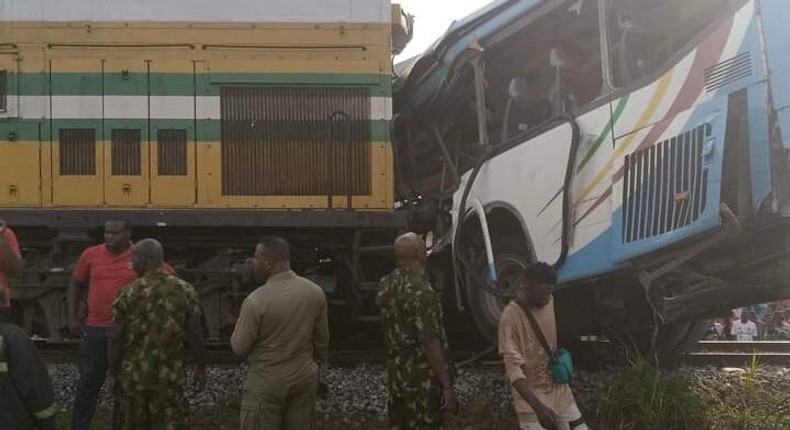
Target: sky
{"points": [[431, 20]]}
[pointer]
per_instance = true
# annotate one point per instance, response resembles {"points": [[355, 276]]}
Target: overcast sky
{"points": [[432, 17]]}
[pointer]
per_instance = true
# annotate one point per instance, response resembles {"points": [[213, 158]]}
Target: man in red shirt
{"points": [[104, 270], [10, 261]]}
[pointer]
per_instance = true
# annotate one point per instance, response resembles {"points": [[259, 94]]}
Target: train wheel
{"points": [[486, 307]]}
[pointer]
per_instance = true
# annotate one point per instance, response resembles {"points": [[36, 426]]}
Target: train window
{"points": [[645, 35], [126, 152], [171, 152], [77, 151], [550, 67], [3, 90]]}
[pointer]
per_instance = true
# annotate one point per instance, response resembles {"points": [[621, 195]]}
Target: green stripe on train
{"points": [[179, 84], [205, 130]]}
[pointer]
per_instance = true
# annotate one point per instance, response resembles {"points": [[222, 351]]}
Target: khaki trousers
{"points": [[273, 404]]}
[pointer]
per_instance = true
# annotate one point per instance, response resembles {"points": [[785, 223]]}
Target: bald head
{"points": [[147, 256], [410, 251]]}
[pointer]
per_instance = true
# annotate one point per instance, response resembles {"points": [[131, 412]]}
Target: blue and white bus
{"points": [[639, 145]]}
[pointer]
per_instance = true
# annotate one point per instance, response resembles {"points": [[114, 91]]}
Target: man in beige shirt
{"points": [[539, 402], [282, 332]]}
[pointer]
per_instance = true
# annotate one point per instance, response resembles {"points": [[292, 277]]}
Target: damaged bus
{"points": [[641, 146]]}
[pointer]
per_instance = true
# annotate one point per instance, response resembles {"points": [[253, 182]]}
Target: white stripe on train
{"points": [[136, 107]]}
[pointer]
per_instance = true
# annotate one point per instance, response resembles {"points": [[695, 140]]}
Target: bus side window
{"points": [[557, 63], [646, 35]]}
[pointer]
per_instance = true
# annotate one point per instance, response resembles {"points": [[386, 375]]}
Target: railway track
{"points": [[740, 354], [216, 354], [709, 353]]}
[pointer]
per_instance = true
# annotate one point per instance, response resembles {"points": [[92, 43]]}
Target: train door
{"points": [[20, 141], [173, 140], [126, 133], [76, 112], [207, 110]]}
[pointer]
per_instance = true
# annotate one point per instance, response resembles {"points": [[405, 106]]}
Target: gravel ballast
{"points": [[359, 392], [351, 391]]}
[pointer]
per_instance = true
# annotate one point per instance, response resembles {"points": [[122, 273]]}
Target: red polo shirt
{"points": [[10, 238], [106, 275]]}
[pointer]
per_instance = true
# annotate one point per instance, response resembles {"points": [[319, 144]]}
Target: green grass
{"points": [[750, 402], [642, 398]]}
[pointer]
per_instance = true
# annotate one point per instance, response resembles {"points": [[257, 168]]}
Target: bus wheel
{"points": [[486, 307]]}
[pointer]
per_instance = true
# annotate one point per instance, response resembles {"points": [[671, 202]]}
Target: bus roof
{"points": [[421, 77]]}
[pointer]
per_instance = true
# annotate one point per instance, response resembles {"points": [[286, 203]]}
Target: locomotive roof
{"points": [[287, 11]]}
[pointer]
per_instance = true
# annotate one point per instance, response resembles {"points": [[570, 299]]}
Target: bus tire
{"points": [[509, 257]]}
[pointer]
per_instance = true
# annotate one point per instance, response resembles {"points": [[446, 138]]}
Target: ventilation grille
{"points": [[3, 90], [665, 186], [171, 152], [728, 71], [126, 152], [77, 152], [292, 141]]}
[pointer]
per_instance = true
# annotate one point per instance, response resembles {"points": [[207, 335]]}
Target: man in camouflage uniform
{"points": [[420, 378], [152, 317]]}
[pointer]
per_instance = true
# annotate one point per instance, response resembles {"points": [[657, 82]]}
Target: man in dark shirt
{"points": [[26, 395]]}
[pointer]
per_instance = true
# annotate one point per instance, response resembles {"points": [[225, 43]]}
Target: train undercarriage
{"points": [[344, 253]]}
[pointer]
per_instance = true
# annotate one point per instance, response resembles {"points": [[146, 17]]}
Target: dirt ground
{"points": [[226, 417]]}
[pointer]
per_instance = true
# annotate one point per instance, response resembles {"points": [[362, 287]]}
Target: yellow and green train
{"points": [[205, 124]]}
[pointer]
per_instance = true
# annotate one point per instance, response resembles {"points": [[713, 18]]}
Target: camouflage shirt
{"points": [[153, 311], [412, 312]]}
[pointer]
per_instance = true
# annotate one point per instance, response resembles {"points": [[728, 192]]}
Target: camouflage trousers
{"points": [[145, 410], [419, 408]]}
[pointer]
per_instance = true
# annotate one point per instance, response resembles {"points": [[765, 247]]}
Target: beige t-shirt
{"points": [[525, 358]]}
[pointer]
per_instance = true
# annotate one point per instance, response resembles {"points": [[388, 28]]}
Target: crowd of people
{"points": [[763, 322], [141, 320]]}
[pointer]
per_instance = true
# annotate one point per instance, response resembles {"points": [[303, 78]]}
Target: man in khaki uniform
{"points": [[282, 332]]}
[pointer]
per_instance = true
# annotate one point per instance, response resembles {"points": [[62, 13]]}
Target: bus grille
{"points": [[295, 141], [665, 186], [728, 71]]}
